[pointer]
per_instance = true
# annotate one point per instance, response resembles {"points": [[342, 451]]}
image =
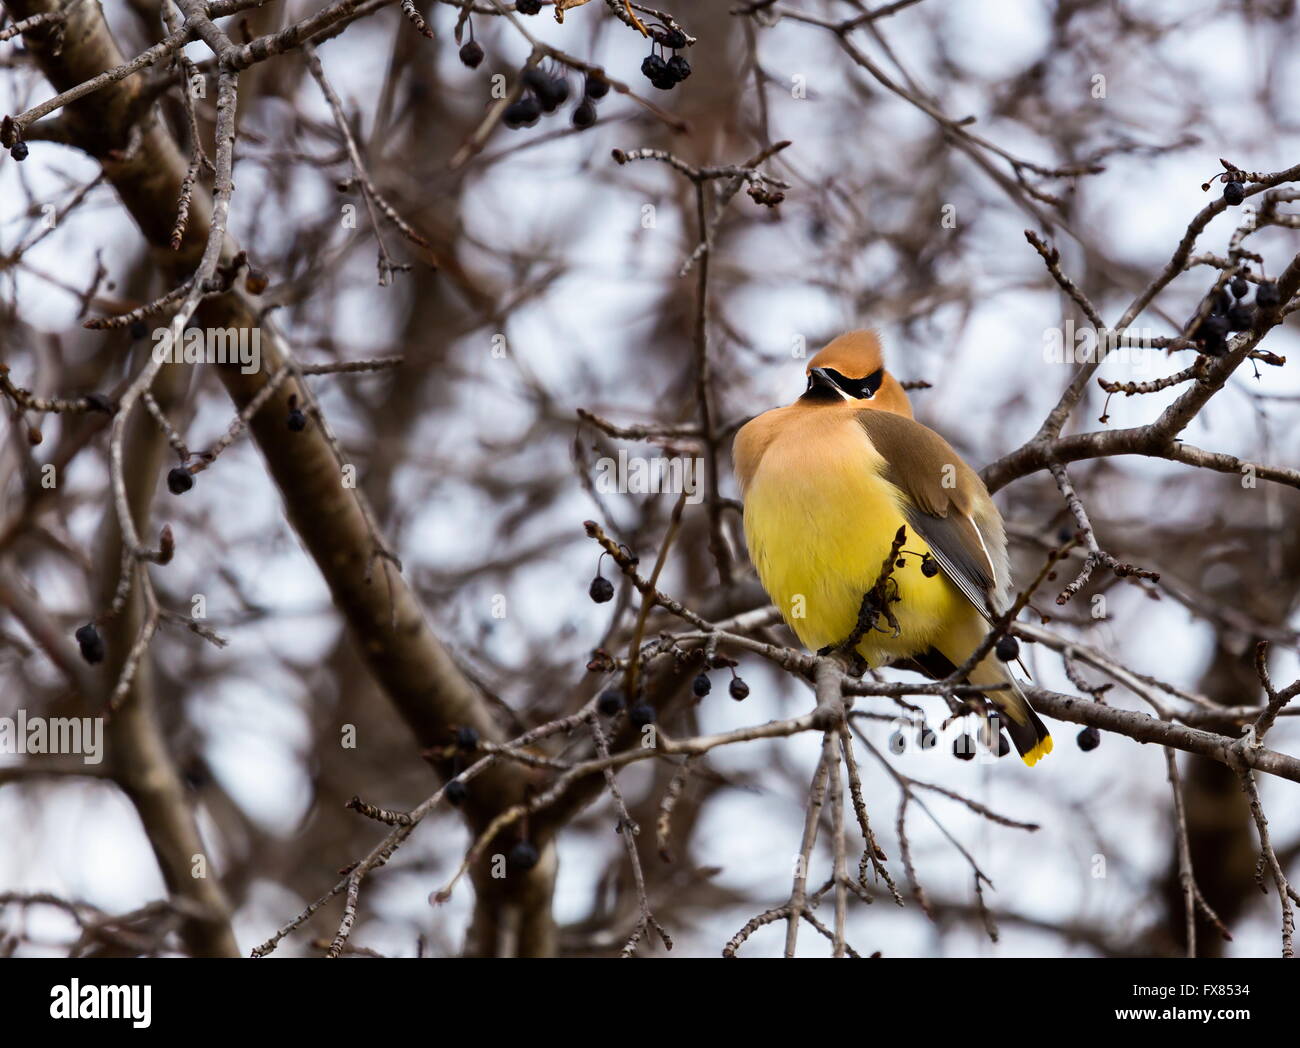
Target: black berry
{"points": [[179, 480], [1266, 295], [523, 856], [652, 66], [1088, 739], [456, 792], [929, 567], [1233, 193], [1212, 332], [926, 739], [523, 112], [139, 329], [601, 590], [471, 53], [610, 703], [584, 115], [963, 747], [553, 94], [665, 83], [1007, 648], [897, 744], [466, 738], [701, 685], [91, 643], [1004, 746], [679, 68], [18, 150], [739, 689], [596, 87], [535, 79], [641, 714], [1240, 317], [1240, 286], [528, 7], [296, 421], [1214, 324], [674, 39]]}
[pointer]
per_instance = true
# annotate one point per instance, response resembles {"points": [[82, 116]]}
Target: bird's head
{"points": [[852, 367]]}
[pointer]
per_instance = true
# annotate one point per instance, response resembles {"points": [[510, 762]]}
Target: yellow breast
{"points": [[819, 522]]}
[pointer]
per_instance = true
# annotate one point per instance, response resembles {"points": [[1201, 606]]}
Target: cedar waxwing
{"points": [[827, 483]]}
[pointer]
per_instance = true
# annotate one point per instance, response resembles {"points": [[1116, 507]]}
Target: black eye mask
{"points": [[857, 388]]}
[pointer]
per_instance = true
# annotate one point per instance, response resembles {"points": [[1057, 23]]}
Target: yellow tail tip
{"points": [[1040, 751]]}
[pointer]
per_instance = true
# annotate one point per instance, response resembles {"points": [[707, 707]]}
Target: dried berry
{"points": [[1266, 295], [528, 7], [929, 567], [179, 480], [897, 744], [471, 53], [610, 703], [641, 714], [584, 115], [701, 686], [296, 421], [553, 94], [1241, 317], [256, 281], [926, 738], [523, 112], [601, 590], [739, 689], [1240, 286], [1088, 739], [456, 792], [466, 738], [1004, 745], [679, 68], [523, 856], [1212, 332], [673, 39], [596, 86], [1234, 193], [535, 79], [653, 67], [963, 747], [1007, 648], [91, 643], [18, 150]]}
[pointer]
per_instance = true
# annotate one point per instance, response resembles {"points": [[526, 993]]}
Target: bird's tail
{"points": [[1027, 732]]}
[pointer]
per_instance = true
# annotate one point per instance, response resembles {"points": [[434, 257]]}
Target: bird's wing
{"points": [[947, 504]]}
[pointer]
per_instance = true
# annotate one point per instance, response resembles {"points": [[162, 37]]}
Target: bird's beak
{"points": [[821, 385]]}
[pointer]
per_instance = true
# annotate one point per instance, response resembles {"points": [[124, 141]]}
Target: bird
{"points": [[828, 482]]}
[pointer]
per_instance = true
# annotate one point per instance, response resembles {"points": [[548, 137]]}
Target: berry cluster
{"points": [[612, 702], [543, 93], [1228, 315], [666, 73], [546, 92]]}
